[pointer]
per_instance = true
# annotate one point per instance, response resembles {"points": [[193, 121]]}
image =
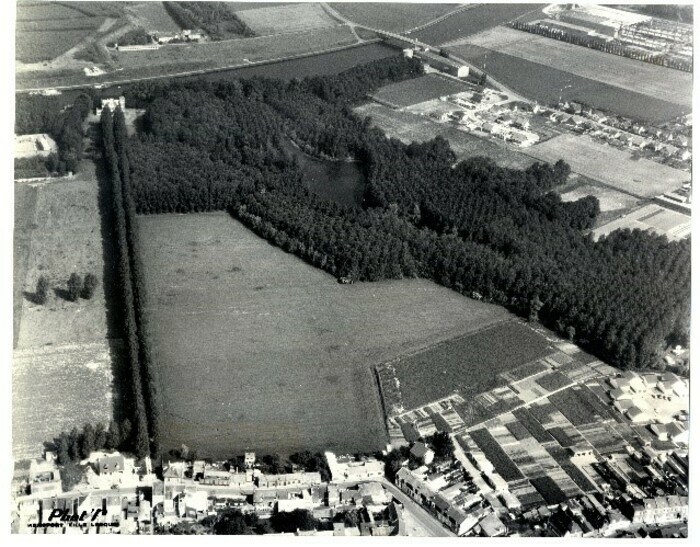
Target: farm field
{"points": [[468, 364], [651, 217], [409, 127], [47, 30], [237, 7], [232, 52], [674, 86], [392, 17], [257, 350], [544, 83], [472, 21], [613, 167], [154, 18], [286, 18], [33, 47], [418, 90], [61, 348], [56, 388], [25, 210], [65, 238]]}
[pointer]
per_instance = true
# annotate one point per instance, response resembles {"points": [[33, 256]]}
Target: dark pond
{"points": [[340, 181]]}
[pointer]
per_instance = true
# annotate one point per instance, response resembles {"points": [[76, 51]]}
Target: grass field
{"points": [[258, 350], [472, 21], [25, 210], [286, 18], [418, 90], [154, 18], [65, 238], [56, 388], [409, 127], [651, 217], [42, 11], [544, 83], [44, 45], [469, 364], [392, 17], [62, 364], [670, 85], [616, 168], [232, 52]]}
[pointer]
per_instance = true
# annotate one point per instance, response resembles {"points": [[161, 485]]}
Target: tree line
{"points": [[502, 235], [77, 445], [614, 48], [142, 404]]}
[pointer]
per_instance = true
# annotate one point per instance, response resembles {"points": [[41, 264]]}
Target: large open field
{"points": [[258, 350], [468, 365], [616, 168], [409, 127], [418, 90], [239, 51], [390, 16], [286, 18], [674, 86], [545, 83], [154, 18], [46, 30], [472, 21], [62, 364]]}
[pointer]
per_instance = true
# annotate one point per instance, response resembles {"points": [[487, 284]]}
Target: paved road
{"points": [[418, 513]]}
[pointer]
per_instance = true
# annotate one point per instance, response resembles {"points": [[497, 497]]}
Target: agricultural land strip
{"points": [[392, 17], [287, 18], [613, 167], [418, 90], [62, 349], [663, 83], [469, 364], [472, 21], [547, 85], [289, 351], [153, 17]]}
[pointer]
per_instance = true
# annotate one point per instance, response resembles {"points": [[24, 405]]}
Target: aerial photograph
{"points": [[350, 269]]}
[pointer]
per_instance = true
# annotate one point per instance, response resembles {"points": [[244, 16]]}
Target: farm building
{"points": [[659, 510], [523, 139], [138, 47], [421, 452], [40, 144], [112, 104], [443, 64], [343, 468], [637, 415]]}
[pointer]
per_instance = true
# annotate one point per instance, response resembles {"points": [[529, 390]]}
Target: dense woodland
{"points": [[43, 114], [214, 17], [485, 231]]}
